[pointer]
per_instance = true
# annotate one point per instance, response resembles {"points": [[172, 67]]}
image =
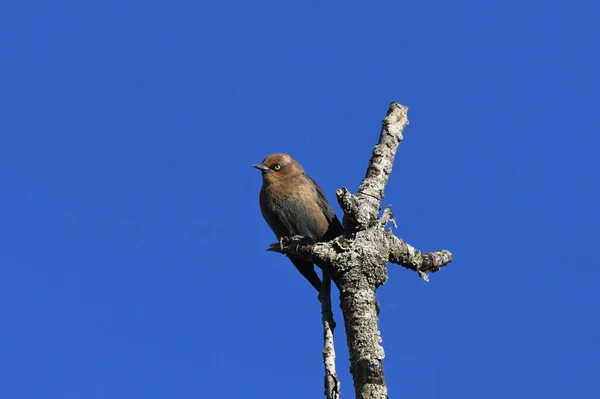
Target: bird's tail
{"points": [[307, 269]]}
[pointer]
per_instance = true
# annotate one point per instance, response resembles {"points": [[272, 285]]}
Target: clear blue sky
{"points": [[133, 259]]}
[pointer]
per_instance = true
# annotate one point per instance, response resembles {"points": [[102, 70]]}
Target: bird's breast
{"points": [[292, 212]]}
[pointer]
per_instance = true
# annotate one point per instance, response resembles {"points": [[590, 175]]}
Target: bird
{"points": [[292, 203]]}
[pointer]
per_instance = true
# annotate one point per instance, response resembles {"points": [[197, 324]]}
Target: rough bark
{"points": [[361, 209], [357, 261]]}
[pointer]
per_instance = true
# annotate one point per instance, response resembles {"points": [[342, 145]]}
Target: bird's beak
{"points": [[260, 166]]}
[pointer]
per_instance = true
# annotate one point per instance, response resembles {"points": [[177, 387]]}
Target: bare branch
{"points": [[363, 207], [320, 253], [359, 307], [400, 252], [408, 256], [332, 384]]}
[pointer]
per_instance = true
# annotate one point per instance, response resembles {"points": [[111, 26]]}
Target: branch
{"points": [[332, 384], [408, 256], [361, 209], [323, 254], [400, 252]]}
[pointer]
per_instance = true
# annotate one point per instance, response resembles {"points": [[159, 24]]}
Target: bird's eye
{"points": [[276, 167]]}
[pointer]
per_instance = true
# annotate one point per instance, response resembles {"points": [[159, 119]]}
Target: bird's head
{"points": [[278, 167]]}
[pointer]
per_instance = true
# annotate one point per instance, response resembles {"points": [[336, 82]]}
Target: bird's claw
{"points": [[282, 241]]}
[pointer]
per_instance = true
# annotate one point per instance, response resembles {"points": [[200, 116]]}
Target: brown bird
{"points": [[293, 204]]}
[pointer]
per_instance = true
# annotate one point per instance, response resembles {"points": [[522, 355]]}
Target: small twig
{"points": [[388, 216], [320, 253], [332, 383]]}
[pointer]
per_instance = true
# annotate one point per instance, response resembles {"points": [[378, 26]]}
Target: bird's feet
{"points": [[282, 240]]}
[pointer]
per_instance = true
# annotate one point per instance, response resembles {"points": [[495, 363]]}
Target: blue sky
{"points": [[133, 258]]}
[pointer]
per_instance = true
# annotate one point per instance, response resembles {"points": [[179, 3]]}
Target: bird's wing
{"points": [[322, 201]]}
